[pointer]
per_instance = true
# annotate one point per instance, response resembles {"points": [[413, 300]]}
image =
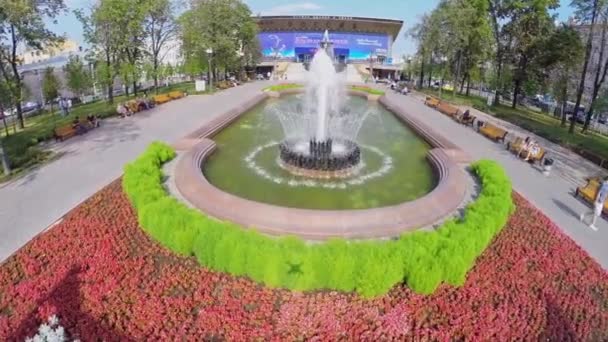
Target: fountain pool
{"points": [[393, 168]]}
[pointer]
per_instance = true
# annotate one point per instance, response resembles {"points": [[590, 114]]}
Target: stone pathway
{"points": [[552, 194], [30, 204], [568, 165]]}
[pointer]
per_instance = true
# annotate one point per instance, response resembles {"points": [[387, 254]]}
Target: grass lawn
{"points": [[540, 124], [22, 146]]}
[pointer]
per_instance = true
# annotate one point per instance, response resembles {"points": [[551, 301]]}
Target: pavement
{"points": [[553, 194], [34, 202], [87, 163]]}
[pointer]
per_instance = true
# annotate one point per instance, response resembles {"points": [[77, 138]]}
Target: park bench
{"points": [[447, 109], [64, 132], [516, 145], [161, 98], [133, 106], [176, 94], [431, 101], [589, 192], [493, 132]]}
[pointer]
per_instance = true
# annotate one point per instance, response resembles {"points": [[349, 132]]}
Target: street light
{"points": [[209, 52], [240, 53]]}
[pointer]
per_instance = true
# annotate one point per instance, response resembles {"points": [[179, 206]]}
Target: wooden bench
{"points": [[161, 98], [431, 101], [447, 109], [176, 94], [589, 192], [64, 132], [133, 106], [516, 145], [493, 132]]}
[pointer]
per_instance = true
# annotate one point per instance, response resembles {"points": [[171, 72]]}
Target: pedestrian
{"points": [[598, 205], [69, 105], [64, 106]]}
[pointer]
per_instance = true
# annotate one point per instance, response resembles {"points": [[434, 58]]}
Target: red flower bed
{"points": [[105, 279]]}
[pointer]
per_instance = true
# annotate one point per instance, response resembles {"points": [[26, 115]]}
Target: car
{"points": [[580, 118], [602, 119]]}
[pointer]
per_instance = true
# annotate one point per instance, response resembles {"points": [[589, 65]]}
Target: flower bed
{"points": [[422, 259], [107, 280]]}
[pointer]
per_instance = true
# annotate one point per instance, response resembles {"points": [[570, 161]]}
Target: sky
{"points": [[407, 10]]}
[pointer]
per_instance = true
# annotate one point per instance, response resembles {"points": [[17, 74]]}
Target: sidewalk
{"points": [[87, 163], [568, 165], [553, 194]]}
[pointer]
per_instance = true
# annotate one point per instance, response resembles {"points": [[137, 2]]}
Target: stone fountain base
{"points": [[320, 159]]}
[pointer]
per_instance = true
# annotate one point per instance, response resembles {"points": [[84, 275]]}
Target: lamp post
{"points": [[240, 54], [209, 52]]}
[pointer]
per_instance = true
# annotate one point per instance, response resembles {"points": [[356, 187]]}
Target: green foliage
{"points": [[368, 90], [78, 78], [225, 26], [422, 259], [280, 87], [50, 84]]}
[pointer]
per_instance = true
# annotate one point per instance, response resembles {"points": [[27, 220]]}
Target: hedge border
{"points": [[421, 259]]}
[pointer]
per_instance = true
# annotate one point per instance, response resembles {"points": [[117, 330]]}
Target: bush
{"points": [[283, 86], [422, 259]]}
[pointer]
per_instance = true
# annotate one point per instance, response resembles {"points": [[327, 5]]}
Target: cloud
{"points": [[292, 8]]}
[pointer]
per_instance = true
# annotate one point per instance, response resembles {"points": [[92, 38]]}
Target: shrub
{"points": [[283, 86], [422, 259]]}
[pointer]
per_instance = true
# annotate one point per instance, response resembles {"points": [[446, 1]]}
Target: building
{"points": [[355, 39], [56, 51]]}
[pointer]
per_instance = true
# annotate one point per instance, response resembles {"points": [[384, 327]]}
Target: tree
{"points": [[50, 85], [159, 29], [5, 103], [601, 68], [108, 30], [563, 52], [225, 26], [77, 77], [22, 23], [588, 11], [529, 27]]}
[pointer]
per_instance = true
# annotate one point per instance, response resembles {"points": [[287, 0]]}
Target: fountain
{"points": [[320, 136]]}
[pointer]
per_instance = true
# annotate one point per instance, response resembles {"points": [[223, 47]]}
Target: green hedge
{"points": [[422, 259], [368, 90], [284, 86]]}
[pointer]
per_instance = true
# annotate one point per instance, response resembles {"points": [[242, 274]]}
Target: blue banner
{"points": [[352, 45]]}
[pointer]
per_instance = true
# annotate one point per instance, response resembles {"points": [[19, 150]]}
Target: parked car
{"points": [[580, 118], [602, 119]]}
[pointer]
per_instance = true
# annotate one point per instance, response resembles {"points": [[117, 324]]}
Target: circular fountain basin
{"points": [[393, 165], [200, 190]]}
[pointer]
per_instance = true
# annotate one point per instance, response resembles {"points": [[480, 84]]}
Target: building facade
{"points": [[355, 39]]}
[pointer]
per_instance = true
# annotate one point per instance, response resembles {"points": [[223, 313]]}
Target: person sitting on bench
{"points": [[466, 115], [80, 129], [533, 149], [93, 121], [525, 146], [123, 110]]}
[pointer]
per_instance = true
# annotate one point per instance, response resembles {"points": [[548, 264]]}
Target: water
{"points": [[393, 166]]}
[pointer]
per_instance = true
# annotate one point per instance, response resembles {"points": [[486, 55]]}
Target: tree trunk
{"points": [[127, 90], [135, 88], [498, 77], [468, 85], [515, 93], [564, 101], [430, 69], [599, 78], [5, 163], [588, 49], [422, 73]]}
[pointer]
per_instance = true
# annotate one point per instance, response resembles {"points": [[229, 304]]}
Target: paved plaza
{"points": [[30, 204], [87, 163]]}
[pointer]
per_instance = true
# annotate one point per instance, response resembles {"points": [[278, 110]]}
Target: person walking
{"points": [[598, 205]]}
